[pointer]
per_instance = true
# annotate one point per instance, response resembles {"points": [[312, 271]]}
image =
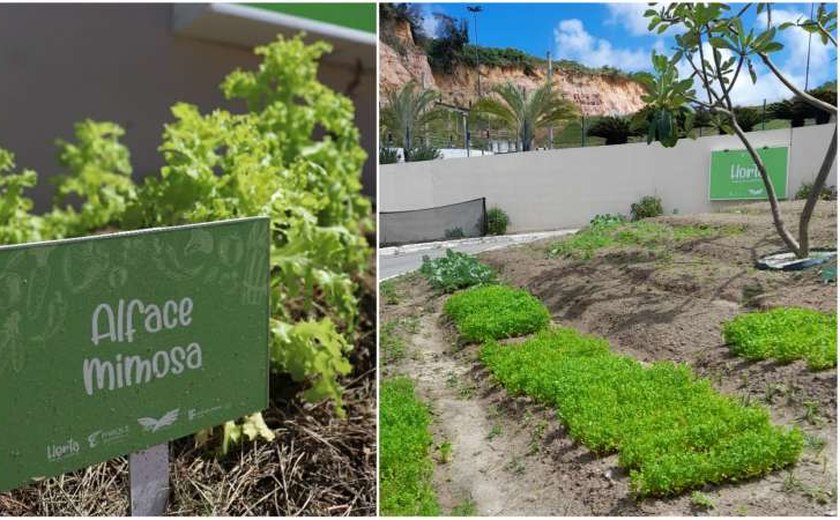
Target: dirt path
{"points": [[496, 466]]}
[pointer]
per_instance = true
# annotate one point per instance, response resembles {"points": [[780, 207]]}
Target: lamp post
{"points": [[475, 9]]}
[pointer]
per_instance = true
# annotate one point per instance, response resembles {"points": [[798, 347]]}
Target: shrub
{"points": [[388, 155], [654, 236], [455, 271], [495, 312], [748, 118], [497, 221], [453, 233], [616, 130], [827, 192], [607, 219], [405, 470], [422, 152], [785, 334], [672, 430], [647, 207]]}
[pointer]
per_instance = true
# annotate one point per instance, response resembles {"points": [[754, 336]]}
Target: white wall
{"points": [[564, 188], [60, 64]]}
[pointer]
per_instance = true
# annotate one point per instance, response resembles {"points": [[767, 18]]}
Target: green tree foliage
{"points": [[523, 113], [616, 130], [403, 13], [713, 41], [445, 51], [747, 117], [406, 110]]}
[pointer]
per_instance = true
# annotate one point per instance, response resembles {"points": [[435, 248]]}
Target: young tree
{"points": [[712, 40], [408, 108], [523, 112]]}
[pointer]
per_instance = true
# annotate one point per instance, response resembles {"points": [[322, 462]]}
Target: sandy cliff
{"points": [[595, 94]]}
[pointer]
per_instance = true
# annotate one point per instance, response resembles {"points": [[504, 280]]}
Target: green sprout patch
{"points": [[785, 334], [455, 271], [653, 236], [405, 471], [495, 312], [672, 430]]}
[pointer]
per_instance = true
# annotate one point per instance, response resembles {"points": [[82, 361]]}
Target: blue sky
{"points": [[616, 35]]}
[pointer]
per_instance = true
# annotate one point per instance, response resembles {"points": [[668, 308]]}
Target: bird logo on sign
{"points": [[150, 424]]}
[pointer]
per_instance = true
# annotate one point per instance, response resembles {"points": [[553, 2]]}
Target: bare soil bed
{"points": [[511, 456]]}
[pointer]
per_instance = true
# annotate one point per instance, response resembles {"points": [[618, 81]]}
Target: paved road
{"points": [[394, 261]]}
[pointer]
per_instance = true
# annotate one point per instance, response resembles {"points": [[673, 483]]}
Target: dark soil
{"points": [[652, 307]]}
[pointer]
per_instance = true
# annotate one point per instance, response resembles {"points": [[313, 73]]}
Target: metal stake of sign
{"points": [[149, 475]]}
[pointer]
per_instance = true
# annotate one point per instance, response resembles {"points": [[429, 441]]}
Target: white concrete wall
{"points": [[565, 188], [60, 64]]}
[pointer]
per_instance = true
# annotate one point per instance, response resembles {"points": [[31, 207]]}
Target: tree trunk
{"points": [[783, 232], [813, 197]]}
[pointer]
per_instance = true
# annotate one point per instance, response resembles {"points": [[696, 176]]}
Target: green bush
{"points": [[785, 334], [388, 155], [607, 219], [673, 432], [647, 207], [495, 312], [405, 464], [422, 152], [654, 236], [497, 221], [827, 192], [616, 130], [455, 271]]}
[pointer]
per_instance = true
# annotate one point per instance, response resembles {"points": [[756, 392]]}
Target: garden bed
{"points": [[511, 455]]}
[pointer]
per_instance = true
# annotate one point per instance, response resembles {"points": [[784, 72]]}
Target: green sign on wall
{"points": [[116, 343], [734, 175]]}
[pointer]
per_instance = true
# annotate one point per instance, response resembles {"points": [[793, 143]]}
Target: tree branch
{"points": [[811, 100], [735, 77]]}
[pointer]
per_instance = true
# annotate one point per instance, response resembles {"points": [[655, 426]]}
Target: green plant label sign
{"points": [[734, 175], [115, 343]]}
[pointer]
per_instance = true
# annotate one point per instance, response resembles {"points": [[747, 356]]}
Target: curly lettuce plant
{"points": [[267, 160]]}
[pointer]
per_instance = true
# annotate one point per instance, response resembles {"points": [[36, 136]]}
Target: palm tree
{"points": [[525, 113], [407, 109]]}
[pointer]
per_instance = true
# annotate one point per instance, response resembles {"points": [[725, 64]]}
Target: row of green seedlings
{"points": [[785, 335], [672, 431], [405, 464], [614, 230]]}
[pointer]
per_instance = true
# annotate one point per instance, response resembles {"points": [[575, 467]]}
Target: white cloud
{"points": [[573, 42], [630, 16], [745, 92], [795, 41]]}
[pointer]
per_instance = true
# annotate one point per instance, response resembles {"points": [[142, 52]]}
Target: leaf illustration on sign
{"points": [[152, 425], [11, 348], [756, 192]]}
